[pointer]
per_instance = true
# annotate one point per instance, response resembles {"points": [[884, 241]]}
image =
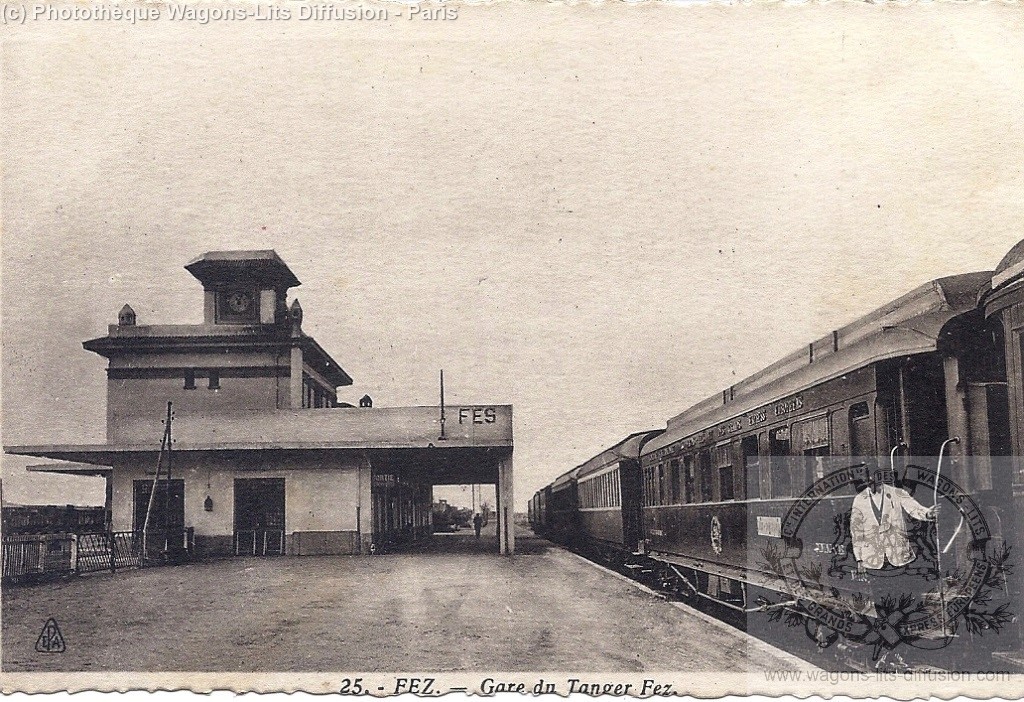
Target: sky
{"points": [[598, 214]]}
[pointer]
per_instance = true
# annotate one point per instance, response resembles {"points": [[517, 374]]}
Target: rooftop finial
{"points": [[295, 314], [126, 317]]}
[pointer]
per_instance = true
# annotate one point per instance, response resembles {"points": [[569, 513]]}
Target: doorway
{"points": [[259, 516], [164, 531]]}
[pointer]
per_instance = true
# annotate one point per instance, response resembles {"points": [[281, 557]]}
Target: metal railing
{"points": [[35, 556], [259, 542]]}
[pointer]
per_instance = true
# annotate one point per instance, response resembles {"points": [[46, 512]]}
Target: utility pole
{"points": [[442, 437], [165, 444], [167, 487]]}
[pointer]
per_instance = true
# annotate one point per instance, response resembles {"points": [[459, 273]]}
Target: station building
{"points": [[263, 458]]}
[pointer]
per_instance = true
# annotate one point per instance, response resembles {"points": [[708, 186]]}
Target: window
{"points": [[723, 461], [673, 468], [214, 380], [862, 430], [810, 438], [601, 491], [190, 379], [815, 463], [751, 465], [778, 447], [661, 484], [688, 480], [704, 467]]}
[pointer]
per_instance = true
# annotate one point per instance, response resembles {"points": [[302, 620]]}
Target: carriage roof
{"points": [[625, 449], [910, 324]]}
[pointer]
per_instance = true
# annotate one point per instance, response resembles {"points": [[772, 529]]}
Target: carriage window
{"points": [[778, 447], [688, 479], [723, 461], [661, 483], [815, 460], [751, 465], [811, 439], [862, 432], [704, 466], [673, 471]]}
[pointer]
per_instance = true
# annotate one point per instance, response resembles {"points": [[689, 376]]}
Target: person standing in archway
{"points": [[478, 522]]}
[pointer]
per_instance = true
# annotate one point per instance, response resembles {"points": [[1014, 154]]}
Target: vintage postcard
{"points": [[528, 348]]}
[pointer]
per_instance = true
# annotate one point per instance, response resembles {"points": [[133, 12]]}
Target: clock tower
{"points": [[249, 354], [243, 287]]}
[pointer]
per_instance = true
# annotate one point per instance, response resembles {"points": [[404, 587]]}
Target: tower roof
{"points": [[217, 268]]}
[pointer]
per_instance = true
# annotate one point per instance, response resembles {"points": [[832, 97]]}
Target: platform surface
{"points": [[452, 605]]}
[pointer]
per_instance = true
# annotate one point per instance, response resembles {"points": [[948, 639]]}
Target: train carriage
{"points": [[563, 510], [538, 513], [608, 487], [760, 499], [889, 391]]}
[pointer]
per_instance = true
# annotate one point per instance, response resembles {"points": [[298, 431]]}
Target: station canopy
{"points": [[475, 439]]}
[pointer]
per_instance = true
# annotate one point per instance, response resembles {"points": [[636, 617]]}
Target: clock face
{"points": [[239, 302]]}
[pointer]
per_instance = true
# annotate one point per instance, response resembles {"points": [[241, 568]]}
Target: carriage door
{"points": [[630, 490], [259, 516]]}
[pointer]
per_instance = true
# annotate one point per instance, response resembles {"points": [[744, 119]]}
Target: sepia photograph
{"points": [[622, 349]]}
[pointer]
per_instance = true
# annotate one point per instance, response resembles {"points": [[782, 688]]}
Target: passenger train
{"points": [[804, 497]]}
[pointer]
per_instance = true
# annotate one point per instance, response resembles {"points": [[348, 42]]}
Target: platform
{"points": [[450, 606]]}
